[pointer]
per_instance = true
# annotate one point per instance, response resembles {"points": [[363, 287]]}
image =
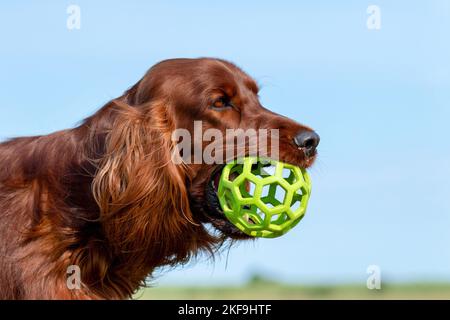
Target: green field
{"points": [[272, 290]]}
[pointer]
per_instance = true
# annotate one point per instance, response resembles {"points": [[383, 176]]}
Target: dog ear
{"points": [[141, 92], [141, 193], [131, 95]]}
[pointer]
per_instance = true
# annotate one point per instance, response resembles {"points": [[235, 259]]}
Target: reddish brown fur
{"points": [[106, 196]]}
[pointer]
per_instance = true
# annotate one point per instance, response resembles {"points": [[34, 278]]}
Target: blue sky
{"points": [[379, 100]]}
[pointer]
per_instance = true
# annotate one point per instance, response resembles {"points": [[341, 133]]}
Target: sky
{"points": [[378, 98]]}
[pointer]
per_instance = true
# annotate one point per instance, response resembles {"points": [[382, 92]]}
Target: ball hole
{"points": [[286, 173], [280, 193], [265, 190], [295, 206], [268, 170], [228, 202], [247, 188], [235, 172], [289, 175]]}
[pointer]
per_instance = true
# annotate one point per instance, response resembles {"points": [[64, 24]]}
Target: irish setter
{"points": [[107, 197]]}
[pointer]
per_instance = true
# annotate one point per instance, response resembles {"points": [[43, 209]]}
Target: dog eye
{"points": [[221, 104]]}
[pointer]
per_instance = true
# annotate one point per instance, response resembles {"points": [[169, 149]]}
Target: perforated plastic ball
{"points": [[263, 198]]}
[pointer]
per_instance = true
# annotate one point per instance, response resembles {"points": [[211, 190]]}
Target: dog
{"points": [[106, 198]]}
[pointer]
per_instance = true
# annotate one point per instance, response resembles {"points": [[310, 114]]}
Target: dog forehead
{"points": [[228, 77], [194, 77]]}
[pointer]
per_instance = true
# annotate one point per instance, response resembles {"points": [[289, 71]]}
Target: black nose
{"points": [[308, 140]]}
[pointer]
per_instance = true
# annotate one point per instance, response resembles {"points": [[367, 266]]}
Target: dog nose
{"points": [[308, 140]]}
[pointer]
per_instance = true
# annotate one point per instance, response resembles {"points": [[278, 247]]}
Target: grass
{"points": [[261, 289]]}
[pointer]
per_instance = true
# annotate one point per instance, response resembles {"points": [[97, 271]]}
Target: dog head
{"points": [[210, 113]]}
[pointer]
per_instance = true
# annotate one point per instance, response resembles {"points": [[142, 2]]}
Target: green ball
{"points": [[263, 197]]}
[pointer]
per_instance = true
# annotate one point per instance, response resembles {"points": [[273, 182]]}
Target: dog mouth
{"points": [[215, 213]]}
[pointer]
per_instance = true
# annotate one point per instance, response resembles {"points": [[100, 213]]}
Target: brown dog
{"points": [[106, 196]]}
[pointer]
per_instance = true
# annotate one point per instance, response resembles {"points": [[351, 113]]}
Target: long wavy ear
{"points": [[141, 193]]}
